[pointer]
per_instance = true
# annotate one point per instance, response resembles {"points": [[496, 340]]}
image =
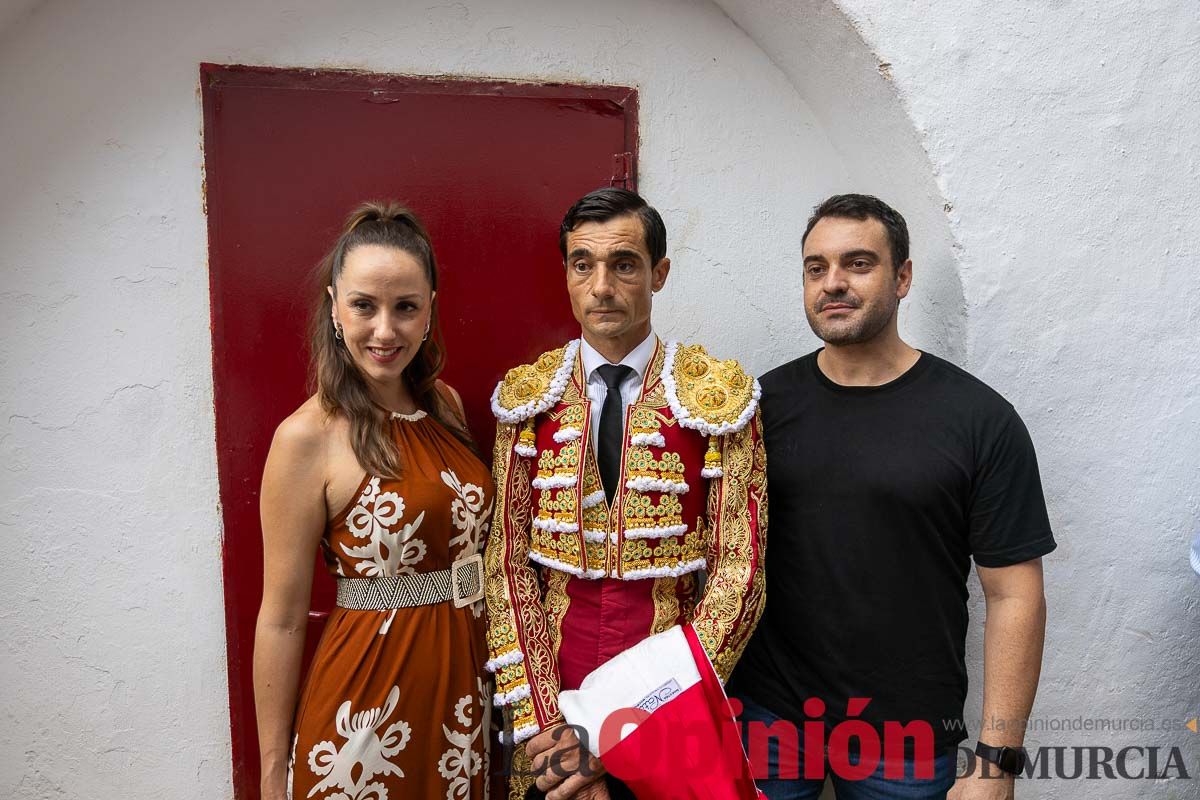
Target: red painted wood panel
{"points": [[490, 167]]}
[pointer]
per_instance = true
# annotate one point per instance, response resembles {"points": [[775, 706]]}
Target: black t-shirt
{"points": [[879, 497]]}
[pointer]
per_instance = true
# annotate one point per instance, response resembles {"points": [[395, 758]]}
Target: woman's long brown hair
{"points": [[339, 384]]}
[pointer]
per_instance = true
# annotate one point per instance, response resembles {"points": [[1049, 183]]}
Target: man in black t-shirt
{"points": [[888, 471]]}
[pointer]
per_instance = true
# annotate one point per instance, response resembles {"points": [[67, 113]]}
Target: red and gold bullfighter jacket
{"points": [[572, 582]]}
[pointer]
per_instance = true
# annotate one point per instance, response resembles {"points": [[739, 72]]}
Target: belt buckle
{"points": [[466, 580]]}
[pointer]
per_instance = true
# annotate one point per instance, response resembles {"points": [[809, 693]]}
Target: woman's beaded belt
{"points": [[462, 584]]}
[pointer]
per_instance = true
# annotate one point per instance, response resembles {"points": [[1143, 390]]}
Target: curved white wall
{"points": [[1040, 154], [842, 81]]}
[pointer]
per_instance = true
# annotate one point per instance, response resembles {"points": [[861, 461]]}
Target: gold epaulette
{"points": [[530, 389], [706, 394]]}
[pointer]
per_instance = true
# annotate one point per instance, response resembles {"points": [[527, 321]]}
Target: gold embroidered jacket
{"points": [[693, 498]]}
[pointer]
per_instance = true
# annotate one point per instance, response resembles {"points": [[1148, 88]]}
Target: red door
{"points": [[489, 167]]}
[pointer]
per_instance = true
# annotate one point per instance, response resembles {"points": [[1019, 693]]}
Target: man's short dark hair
{"points": [[862, 206], [610, 203]]}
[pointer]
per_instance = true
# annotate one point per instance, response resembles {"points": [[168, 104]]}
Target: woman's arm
{"points": [[292, 505]]}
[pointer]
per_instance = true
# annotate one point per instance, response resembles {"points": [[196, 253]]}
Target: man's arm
{"points": [[518, 641], [526, 669], [1013, 635], [735, 592]]}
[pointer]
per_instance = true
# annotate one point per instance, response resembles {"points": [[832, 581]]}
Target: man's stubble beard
{"points": [[866, 328]]}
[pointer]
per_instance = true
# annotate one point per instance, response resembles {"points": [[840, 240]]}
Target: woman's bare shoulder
{"points": [[308, 429], [447, 389], [313, 446]]}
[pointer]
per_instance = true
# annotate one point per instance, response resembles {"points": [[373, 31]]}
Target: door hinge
{"points": [[622, 171]]}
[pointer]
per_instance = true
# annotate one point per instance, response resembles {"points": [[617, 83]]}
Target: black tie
{"points": [[612, 424]]}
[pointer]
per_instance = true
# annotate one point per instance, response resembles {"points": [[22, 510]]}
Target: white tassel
{"points": [[554, 526], [593, 499], [507, 698], [554, 563], [567, 435], [555, 482], [644, 484], [655, 533], [506, 660], [682, 568], [520, 734], [648, 440]]}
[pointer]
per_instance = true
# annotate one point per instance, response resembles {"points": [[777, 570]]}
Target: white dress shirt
{"points": [[638, 360]]}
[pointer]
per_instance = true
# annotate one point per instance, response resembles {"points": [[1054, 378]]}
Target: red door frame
{"points": [[237, 573]]}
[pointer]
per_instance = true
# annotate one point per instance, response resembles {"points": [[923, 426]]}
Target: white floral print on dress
{"points": [[386, 552], [461, 762], [364, 748], [373, 510], [465, 514]]}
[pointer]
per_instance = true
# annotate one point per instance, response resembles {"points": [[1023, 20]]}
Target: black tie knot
{"points": [[613, 375]]}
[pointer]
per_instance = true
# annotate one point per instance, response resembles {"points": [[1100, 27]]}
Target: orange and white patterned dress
{"points": [[396, 704]]}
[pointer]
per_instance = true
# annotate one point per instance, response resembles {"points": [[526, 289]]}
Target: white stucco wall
{"points": [[1063, 139], [1043, 153], [1064, 136]]}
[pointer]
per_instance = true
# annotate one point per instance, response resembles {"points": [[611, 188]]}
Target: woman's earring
{"points": [[337, 332], [426, 336]]}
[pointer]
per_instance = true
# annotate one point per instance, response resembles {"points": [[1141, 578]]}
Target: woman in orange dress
{"points": [[377, 470]]}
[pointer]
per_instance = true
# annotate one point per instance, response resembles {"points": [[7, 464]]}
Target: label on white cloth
{"points": [[662, 694]]}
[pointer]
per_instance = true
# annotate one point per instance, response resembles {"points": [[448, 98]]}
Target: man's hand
{"points": [[564, 767], [596, 790], [976, 786]]}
